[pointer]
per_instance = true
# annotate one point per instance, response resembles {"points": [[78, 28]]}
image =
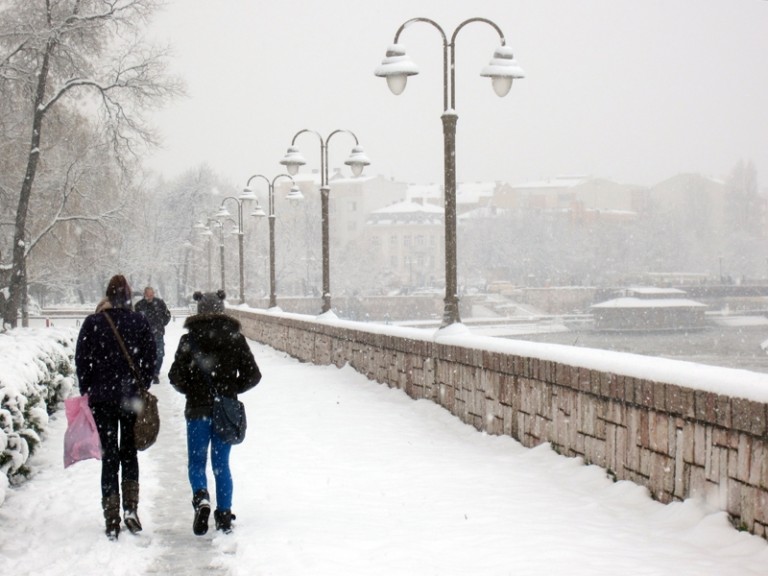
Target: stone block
{"points": [[618, 389], [646, 457], [644, 393], [658, 432], [747, 505], [621, 451], [742, 459], [761, 507], [584, 383], [756, 457], [733, 496], [659, 392], [595, 451], [447, 397], [507, 390], [605, 380], [701, 443], [697, 482], [749, 416], [595, 382]]}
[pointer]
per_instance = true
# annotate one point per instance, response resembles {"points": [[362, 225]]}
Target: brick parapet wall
{"points": [[676, 440]]}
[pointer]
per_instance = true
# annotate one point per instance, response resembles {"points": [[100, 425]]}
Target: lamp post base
{"points": [[451, 312]]}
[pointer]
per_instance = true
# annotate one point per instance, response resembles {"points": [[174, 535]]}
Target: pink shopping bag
{"points": [[81, 440]]}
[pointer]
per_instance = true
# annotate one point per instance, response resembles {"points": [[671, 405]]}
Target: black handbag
{"points": [[228, 420], [147, 425]]}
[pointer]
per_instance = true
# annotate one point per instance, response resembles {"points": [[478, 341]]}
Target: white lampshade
{"points": [[502, 70], [396, 67], [247, 194], [292, 160], [357, 160], [295, 195], [258, 211]]}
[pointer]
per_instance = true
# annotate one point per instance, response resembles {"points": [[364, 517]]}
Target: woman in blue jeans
{"points": [[213, 357]]}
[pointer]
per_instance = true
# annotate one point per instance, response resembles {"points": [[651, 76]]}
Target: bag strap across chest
{"points": [[123, 347]]}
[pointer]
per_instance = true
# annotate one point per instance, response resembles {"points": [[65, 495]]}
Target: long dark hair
{"points": [[119, 292]]}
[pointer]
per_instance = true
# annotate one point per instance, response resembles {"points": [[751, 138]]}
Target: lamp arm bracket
{"points": [[413, 21], [470, 20]]}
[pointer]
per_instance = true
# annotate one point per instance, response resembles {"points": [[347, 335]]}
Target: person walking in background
{"points": [[158, 315], [104, 373], [213, 357]]}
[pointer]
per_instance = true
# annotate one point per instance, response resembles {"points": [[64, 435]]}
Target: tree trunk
{"points": [[18, 269]]}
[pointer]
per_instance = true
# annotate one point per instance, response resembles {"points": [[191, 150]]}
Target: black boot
{"points": [[223, 519], [131, 505], [111, 507], [201, 502]]}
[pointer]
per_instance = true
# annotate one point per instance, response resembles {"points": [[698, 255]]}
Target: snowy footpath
{"points": [[342, 476]]}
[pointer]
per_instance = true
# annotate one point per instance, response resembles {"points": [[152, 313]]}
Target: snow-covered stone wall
{"points": [[680, 429]]}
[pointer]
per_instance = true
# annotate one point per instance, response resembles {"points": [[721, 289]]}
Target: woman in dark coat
{"points": [[213, 355], [105, 375]]}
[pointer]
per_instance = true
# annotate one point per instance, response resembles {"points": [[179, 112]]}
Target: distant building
{"points": [[568, 193], [469, 195], [649, 309], [408, 236], [350, 200]]}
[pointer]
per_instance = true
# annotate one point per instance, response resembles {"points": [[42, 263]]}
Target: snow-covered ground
{"points": [[342, 476]]}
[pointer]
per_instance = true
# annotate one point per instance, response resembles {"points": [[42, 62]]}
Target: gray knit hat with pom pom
{"points": [[210, 302]]}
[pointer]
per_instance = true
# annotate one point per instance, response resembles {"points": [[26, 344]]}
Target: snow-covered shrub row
{"points": [[36, 375]]}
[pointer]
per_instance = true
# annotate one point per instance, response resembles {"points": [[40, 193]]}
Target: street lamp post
{"points": [[502, 70], [356, 161], [246, 196], [205, 230], [294, 195]]}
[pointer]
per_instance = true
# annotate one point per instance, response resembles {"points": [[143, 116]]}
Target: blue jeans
{"points": [[199, 436]]}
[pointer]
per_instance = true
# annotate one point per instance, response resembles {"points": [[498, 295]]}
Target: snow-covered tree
{"points": [[64, 62]]}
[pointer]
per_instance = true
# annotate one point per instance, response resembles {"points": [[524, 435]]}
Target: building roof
{"points": [[407, 212], [466, 192], [556, 182], [651, 290], [631, 303]]}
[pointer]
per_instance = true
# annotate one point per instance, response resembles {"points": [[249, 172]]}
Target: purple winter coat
{"points": [[102, 369]]}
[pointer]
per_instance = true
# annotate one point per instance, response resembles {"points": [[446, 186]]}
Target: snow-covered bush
{"points": [[37, 374]]}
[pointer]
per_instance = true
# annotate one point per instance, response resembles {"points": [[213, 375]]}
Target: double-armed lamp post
{"points": [[357, 160], [218, 221], [205, 230], [245, 197], [294, 195], [502, 70]]}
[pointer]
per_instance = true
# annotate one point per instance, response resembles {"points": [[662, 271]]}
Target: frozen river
{"points": [[731, 346]]}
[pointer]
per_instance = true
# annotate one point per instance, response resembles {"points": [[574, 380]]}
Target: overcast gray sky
{"points": [[632, 90]]}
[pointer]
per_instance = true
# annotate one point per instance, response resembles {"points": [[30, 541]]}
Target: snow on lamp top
{"points": [[502, 69], [292, 160], [357, 160], [396, 67]]}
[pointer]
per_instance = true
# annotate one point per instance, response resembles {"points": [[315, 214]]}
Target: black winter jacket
{"points": [[212, 355], [157, 314], [102, 369]]}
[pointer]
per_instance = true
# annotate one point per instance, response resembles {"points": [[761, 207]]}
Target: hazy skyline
{"points": [[634, 91]]}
